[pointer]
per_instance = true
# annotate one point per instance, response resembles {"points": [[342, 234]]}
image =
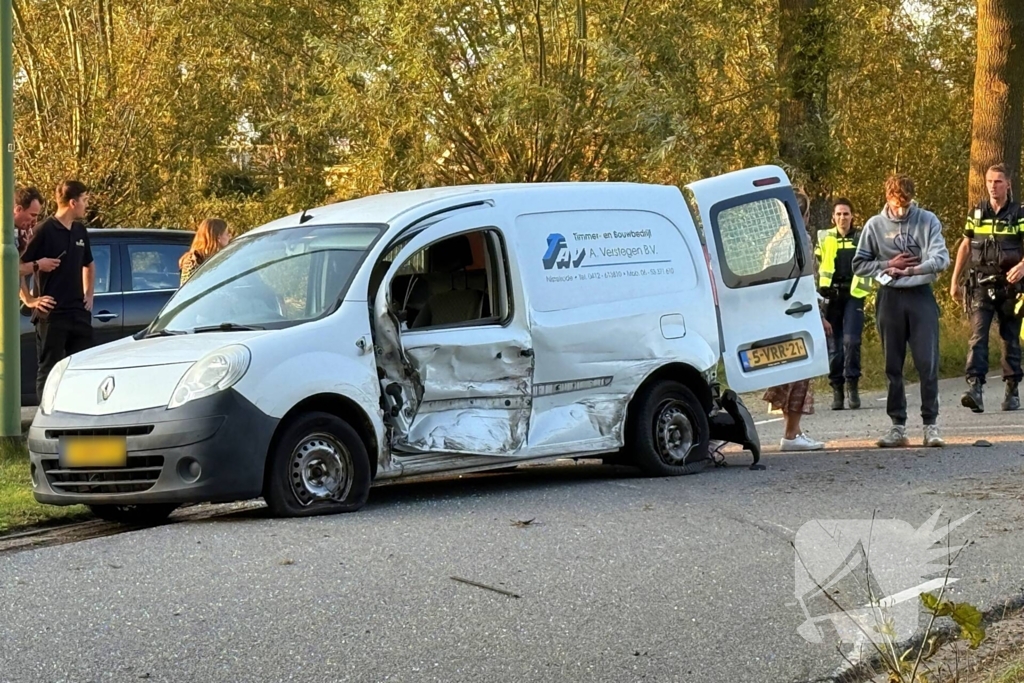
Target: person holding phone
{"points": [[904, 250], [64, 296]]}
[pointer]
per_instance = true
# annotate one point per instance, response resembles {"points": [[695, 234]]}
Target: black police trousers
{"points": [[984, 311], [845, 313]]}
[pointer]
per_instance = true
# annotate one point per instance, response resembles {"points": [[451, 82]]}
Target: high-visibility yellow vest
{"points": [[830, 243], [996, 239]]}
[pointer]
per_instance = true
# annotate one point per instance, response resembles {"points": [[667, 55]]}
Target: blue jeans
{"points": [[984, 312], [846, 316]]}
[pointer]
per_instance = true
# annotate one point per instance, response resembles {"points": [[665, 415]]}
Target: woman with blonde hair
{"points": [[211, 236]]}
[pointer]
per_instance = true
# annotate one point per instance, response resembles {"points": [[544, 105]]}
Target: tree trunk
{"points": [[803, 130], [998, 93]]}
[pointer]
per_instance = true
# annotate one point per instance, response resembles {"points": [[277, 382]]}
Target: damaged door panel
{"points": [[457, 378], [476, 386]]}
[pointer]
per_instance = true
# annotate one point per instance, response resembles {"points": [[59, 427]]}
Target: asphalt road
{"points": [[618, 578]]}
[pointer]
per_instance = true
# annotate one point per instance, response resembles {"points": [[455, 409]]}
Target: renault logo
{"points": [[106, 388]]}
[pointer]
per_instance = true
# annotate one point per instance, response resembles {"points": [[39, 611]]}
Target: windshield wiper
{"points": [[160, 333], [226, 327]]}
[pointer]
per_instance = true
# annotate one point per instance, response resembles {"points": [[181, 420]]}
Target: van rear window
{"points": [[757, 241]]}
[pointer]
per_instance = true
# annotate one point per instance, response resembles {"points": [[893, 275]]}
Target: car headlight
{"points": [[50, 388], [214, 372]]}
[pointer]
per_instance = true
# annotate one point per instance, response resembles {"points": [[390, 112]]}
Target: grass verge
{"points": [[1012, 672], [17, 506]]}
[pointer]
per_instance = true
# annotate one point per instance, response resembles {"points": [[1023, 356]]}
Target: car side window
{"points": [[101, 259], [453, 282], [757, 242], [155, 266]]}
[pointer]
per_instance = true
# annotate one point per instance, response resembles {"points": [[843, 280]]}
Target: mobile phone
{"points": [[884, 278]]}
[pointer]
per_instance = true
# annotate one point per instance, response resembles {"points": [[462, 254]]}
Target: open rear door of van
{"points": [[760, 257]]}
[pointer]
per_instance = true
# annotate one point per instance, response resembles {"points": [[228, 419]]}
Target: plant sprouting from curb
{"points": [[876, 622]]}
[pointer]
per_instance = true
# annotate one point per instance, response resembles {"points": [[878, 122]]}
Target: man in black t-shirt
{"points": [[63, 316]]}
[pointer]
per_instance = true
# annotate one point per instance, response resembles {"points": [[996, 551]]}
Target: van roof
{"points": [[388, 207]]}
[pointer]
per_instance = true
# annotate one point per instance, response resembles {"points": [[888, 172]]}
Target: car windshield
{"points": [[269, 280]]}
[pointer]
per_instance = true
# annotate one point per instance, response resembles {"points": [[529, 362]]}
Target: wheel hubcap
{"points": [[674, 433], [321, 469]]}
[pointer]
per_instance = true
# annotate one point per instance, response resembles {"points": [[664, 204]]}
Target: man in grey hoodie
{"points": [[903, 249]]}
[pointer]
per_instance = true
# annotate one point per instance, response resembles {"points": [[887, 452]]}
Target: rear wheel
{"points": [[669, 435], [319, 466], [138, 515]]}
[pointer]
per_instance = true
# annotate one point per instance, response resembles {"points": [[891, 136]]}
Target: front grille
{"points": [[139, 430], [140, 475]]}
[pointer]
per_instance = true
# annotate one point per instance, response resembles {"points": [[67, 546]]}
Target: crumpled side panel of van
{"points": [[480, 400]]}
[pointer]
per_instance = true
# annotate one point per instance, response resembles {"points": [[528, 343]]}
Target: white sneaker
{"points": [[802, 442], [932, 439], [896, 437]]}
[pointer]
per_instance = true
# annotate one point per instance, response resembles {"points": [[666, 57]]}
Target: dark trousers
{"points": [[845, 314], [984, 311], [57, 337], [910, 317]]}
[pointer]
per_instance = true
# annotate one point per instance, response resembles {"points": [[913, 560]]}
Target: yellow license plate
{"points": [[95, 451], [775, 354]]}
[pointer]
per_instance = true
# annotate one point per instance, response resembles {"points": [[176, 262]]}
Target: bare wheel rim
{"points": [[673, 432], [320, 469]]}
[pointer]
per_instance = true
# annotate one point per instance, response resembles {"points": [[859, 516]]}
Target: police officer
{"points": [[844, 293], [992, 246]]}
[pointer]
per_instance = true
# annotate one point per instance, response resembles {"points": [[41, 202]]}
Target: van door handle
{"points": [[526, 353], [799, 309], [105, 316]]}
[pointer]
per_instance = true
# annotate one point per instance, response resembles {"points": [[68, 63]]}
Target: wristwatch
{"points": [[35, 266]]}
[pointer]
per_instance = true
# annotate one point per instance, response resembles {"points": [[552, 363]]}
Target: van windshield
{"points": [[269, 280]]}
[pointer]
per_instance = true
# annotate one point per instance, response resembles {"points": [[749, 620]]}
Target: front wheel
{"points": [[670, 433], [135, 515], [319, 466]]}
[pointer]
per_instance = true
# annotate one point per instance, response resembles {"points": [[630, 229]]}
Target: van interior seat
{"points": [[446, 304]]}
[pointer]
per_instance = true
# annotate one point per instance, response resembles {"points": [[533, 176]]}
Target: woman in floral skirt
{"points": [[796, 399]]}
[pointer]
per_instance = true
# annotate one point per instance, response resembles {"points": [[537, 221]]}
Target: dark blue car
{"points": [[136, 273]]}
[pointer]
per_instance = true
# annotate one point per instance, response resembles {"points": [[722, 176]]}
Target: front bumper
{"points": [[224, 434], [731, 421]]}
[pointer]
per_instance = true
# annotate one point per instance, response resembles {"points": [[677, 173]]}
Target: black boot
{"points": [[1012, 400], [972, 398], [853, 394], [837, 397]]}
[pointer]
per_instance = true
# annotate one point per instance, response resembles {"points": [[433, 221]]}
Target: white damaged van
{"points": [[454, 329]]}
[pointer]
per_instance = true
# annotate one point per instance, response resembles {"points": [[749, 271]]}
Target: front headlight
{"points": [[214, 372], [50, 388]]}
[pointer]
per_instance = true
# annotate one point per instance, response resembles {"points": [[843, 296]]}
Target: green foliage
{"points": [[964, 615], [174, 111]]}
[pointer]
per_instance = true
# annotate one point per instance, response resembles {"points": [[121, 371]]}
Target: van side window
{"points": [[757, 242], [458, 280]]}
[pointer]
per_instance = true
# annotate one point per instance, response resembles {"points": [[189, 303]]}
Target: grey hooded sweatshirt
{"points": [[885, 237]]}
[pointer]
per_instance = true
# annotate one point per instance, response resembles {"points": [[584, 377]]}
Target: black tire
{"points": [[135, 515], [669, 433], [305, 478]]}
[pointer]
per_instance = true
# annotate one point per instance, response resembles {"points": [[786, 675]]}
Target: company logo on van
{"points": [[553, 256]]}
